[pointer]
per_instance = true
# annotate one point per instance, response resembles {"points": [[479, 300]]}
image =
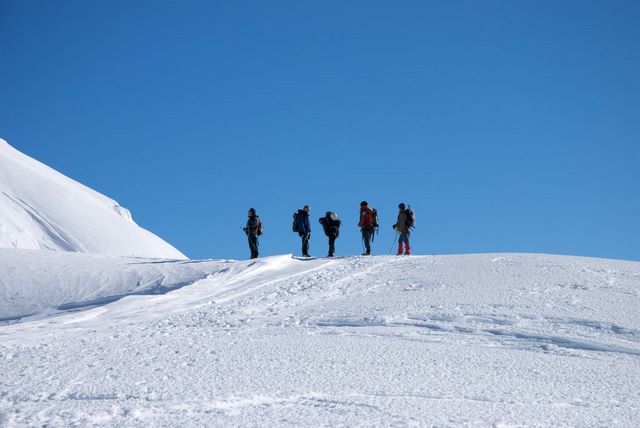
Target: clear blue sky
{"points": [[507, 125]]}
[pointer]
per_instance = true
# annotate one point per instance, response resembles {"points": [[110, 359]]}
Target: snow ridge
{"points": [[43, 209]]}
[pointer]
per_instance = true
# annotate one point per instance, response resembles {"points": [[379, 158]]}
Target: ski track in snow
{"points": [[475, 340]]}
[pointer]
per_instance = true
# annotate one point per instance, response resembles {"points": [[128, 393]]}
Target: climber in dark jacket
{"points": [[303, 228], [253, 229], [403, 228], [331, 226]]}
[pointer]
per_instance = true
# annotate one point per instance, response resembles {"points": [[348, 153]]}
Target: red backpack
{"points": [[371, 218]]}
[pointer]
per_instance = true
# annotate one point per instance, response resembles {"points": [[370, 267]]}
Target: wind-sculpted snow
{"points": [[42, 209], [39, 283], [474, 340]]}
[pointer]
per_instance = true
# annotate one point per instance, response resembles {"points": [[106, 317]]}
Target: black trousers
{"points": [[253, 245], [305, 243], [332, 243], [367, 235]]}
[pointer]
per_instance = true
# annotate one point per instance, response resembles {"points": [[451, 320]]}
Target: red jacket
{"points": [[366, 217]]}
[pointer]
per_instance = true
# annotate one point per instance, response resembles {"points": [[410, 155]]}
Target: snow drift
{"points": [[40, 283], [43, 209], [470, 340]]}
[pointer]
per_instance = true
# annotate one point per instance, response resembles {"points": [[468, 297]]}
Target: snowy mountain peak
{"points": [[41, 208]]}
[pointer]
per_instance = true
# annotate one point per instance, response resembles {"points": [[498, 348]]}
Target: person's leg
{"points": [[253, 245], [305, 244], [366, 237], [332, 244], [407, 244]]}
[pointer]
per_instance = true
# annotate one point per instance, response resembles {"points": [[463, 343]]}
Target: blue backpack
{"points": [[299, 225]]}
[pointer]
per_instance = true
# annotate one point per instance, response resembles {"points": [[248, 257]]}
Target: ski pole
{"points": [[394, 243]]}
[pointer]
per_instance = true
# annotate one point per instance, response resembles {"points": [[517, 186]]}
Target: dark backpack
{"points": [[330, 223], [411, 218], [254, 226], [332, 216], [299, 223]]}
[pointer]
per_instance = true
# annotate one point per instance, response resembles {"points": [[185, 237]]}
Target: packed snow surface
{"points": [[43, 209], [471, 340]]}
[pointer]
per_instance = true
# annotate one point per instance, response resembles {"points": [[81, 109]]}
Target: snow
{"points": [[42, 209], [42, 283], [468, 340]]}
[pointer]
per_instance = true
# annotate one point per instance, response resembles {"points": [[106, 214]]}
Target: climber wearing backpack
{"points": [[303, 228], [368, 225], [331, 226], [405, 222], [253, 229]]}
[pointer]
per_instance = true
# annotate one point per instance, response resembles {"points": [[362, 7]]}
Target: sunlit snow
{"points": [[104, 324]]}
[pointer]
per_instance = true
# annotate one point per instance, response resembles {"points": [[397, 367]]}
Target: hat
{"points": [[401, 206], [363, 204], [252, 211]]}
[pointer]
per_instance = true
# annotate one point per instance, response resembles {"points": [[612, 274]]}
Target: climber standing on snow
{"points": [[303, 228], [331, 226], [368, 225], [253, 229], [403, 227]]}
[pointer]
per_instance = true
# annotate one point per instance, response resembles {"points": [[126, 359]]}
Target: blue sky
{"points": [[507, 126]]}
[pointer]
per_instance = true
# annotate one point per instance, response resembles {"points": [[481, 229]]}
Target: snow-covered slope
{"points": [[42, 209], [41, 283], [473, 340]]}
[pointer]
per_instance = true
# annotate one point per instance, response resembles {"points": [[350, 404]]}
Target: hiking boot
{"points": [[366, 254]]}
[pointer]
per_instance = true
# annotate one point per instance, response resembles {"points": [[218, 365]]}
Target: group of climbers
{"points": [[330, 222]]}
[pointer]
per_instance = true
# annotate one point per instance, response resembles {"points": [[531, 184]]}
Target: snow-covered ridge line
{"points": [[468, 340], [43, 209], [36, 284]]}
